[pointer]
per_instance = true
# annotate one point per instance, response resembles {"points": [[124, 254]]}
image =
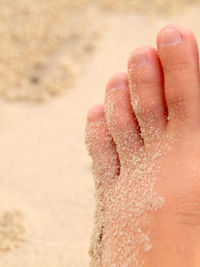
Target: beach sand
{"points": [[47, 191]]}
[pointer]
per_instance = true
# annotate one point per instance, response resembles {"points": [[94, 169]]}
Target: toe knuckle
{"points": [[188, 210], [148, 107]]}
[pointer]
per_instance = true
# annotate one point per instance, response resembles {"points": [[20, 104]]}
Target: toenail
{"points": [[117, 82], [139, 59], [170, 37]]}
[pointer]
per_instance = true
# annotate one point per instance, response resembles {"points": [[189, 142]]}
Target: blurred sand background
{"points": [[55, 59]]}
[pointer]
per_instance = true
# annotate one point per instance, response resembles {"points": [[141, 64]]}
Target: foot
{"points": [[145, 146]]}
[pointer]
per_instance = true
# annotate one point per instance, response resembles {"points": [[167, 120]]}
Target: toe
{"points": [[178, 53], [121, 120], [101, 148], [146, 90]]}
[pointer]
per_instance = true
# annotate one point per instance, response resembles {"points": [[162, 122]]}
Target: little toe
{"points": [[106, 168], [102, 149], [147, 92], [178, 53], [120, 117]]}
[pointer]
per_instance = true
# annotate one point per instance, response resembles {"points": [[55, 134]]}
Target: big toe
{"points": [[178, 53]]}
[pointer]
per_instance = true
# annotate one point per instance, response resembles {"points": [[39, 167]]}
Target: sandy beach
{"points": [[47, 192]]}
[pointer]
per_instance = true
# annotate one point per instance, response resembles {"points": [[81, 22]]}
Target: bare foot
{"points": [[145, 146]]}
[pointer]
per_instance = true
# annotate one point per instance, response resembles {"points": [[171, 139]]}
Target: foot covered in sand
{"points": [[145, 146]]}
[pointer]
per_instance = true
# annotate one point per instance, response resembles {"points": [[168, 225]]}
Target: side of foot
{"points": [[145, 146]]}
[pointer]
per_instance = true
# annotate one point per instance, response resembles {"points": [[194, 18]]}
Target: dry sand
{"points": [[47, 204]]}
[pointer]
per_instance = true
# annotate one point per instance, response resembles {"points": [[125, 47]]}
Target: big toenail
{"points": [[117, 82], [139, 59], [170, 37]]}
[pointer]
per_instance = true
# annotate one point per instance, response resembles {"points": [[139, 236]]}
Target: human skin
{"points": [[145, 145]]}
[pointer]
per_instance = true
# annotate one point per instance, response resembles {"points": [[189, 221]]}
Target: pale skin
{"points": [[157, 105]]}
